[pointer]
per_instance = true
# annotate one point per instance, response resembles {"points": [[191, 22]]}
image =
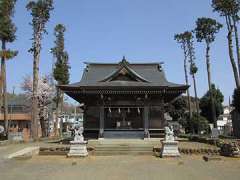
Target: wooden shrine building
{"points": [[123, 99]]}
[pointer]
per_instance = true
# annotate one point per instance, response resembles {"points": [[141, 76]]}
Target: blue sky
{"points": [[104, 31]]}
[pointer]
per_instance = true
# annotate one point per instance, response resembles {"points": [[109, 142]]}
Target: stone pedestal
{"points": [[170, 149], [78, 149]]}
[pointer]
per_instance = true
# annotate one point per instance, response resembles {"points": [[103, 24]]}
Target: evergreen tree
{"points": [[177, 109], [61, 70], [206, 30], [7, 35], [197, 124], [40, 11], [205, 104]]}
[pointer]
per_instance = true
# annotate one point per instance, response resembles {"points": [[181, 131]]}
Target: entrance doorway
{"points": [[123, 118]]}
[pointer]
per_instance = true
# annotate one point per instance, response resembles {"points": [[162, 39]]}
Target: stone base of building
{"points": [[169, 149], [78, 149]]}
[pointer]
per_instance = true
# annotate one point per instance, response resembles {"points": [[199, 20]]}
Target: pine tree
{"points": [[229, 9], [182, 40], [186, 40], [206, 30], [193, 68]]}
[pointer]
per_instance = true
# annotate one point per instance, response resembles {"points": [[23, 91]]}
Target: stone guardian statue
{"points": [[169, 145], [78, 147]]}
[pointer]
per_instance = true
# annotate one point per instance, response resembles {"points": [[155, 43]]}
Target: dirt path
{"points": [[114, 167], [120, 167]]}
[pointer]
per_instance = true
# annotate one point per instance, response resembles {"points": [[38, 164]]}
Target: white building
{"points": [[224, 122], [73, 118]]}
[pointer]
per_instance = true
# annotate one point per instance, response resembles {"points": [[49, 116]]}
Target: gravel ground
{"points": [[115, 167]]}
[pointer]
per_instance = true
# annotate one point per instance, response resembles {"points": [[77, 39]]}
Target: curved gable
{"points": [[124, 73]]}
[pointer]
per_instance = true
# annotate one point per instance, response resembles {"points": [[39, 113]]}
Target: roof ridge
{"points": [[117, 63]]}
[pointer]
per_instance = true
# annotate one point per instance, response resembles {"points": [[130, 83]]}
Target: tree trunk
{"points": [[57, 115], [231, 56], [36, 54], [43, 120], [237, 45], [43, 127], [210, 86], [1, 88], [186, 79], [191, 59], [61, 121], [4, 87], [195, 93], [236, 123], [196, 99]]}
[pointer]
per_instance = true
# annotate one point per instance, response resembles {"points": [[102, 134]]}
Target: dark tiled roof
{"points": [[95, 74]]}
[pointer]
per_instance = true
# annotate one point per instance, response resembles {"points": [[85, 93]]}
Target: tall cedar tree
{"points": [[186, 39], [40, 11], [193, 68], [61, 70], [206, 29], [7, 35], [205, 103], [229, 9], [181, 39]]}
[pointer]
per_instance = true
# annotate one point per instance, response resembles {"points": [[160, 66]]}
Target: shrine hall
{"points": [[123, 100]]}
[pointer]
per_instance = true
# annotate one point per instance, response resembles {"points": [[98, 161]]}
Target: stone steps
{"points": [[123, 149], [156, 133], [124, 134], [122, 153]]}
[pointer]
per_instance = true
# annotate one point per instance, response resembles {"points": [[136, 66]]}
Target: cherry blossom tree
{"points": [[45, 94]]}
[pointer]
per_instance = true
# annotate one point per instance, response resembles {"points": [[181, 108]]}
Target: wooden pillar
{"points": [[163, 123], [146, 121], [101, 123]]}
